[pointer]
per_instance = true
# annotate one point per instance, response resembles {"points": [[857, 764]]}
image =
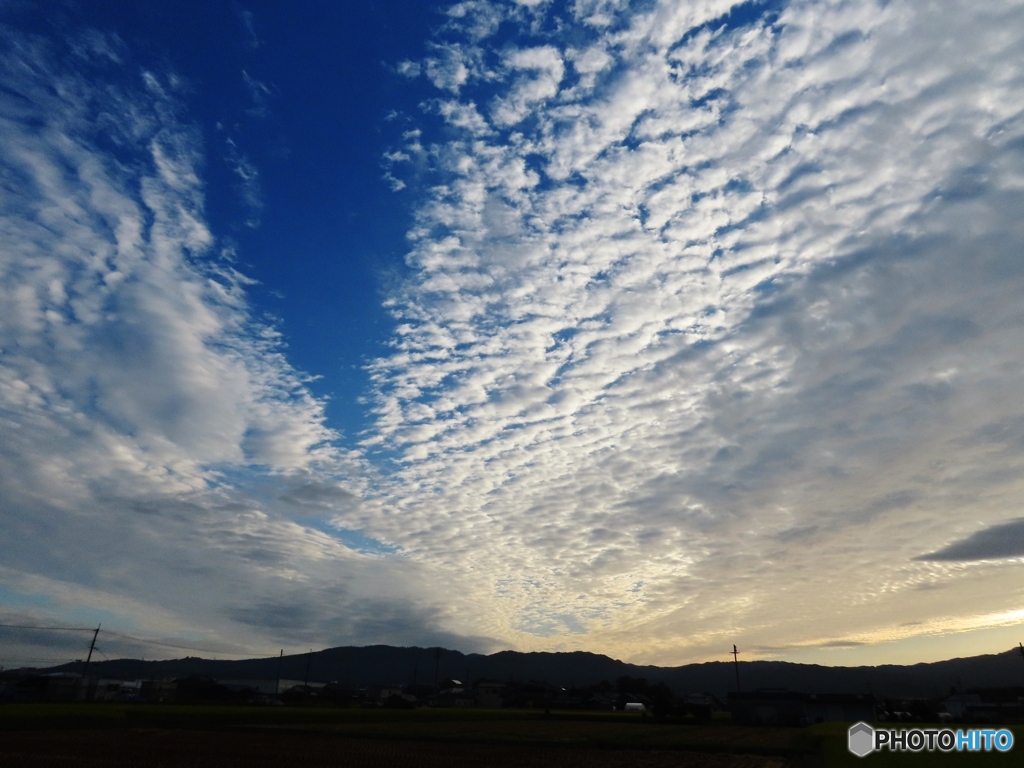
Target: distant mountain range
{"points": [[383, 664]]}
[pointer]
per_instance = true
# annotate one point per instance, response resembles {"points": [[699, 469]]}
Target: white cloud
{"points": [[158, 449], [735, 314], [410, 69], [452, 67], [598, 13], [477, 19], [465, 116], [546, 64]]}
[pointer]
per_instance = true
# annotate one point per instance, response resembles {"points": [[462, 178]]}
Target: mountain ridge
{"points": [[359, 666]]}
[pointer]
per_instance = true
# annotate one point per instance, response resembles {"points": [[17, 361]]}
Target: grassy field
{"points": [[168, 736]]}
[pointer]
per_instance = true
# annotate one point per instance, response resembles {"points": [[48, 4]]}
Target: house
{"points": [[159, 691], [269, 686], [196, 689], [987, 705], [778, 706], [460, 700], [378, 694], [627, 702], [66, 686], [839, 707], [450, 686], [490, 694]]}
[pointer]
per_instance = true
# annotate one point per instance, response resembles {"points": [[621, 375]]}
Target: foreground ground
{"points": [[121, 736]]}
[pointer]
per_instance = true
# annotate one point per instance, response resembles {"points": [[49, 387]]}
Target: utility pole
{"points": [[92, 646], [305, 682], [437, 667], [280, 661], [736, 662]]}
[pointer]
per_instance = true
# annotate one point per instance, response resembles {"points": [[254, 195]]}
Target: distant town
{"points": [[978, 689]]}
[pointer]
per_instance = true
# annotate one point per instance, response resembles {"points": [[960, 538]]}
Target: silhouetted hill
{"points": [[362, 666]]}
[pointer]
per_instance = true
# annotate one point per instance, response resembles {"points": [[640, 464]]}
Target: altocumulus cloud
{"points": [[712, 330], [714, 322], [145, 410]]}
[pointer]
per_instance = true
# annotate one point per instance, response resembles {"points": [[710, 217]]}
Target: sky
{"points": [[640, 327]]}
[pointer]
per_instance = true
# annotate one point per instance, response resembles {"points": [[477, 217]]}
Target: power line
{"points": [[143, 640], [176, 646]]}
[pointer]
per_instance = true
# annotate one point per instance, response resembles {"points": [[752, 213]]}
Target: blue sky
{"points": [[299, 96], [643, 328]]}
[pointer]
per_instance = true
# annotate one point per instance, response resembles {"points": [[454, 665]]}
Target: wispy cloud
{"points": [[249, 186], [162, 463], [717, 298], [248, 20], [260, 94]]}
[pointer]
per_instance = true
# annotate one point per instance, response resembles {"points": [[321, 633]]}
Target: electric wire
{"points": [[135, 638]]}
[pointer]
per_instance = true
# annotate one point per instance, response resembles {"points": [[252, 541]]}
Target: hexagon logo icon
{"points": [[861, 739]]}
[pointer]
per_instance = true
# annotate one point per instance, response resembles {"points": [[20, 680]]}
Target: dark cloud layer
{"points": [[997, 542]]}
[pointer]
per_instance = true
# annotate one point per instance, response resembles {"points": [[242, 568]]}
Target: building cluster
{"points": [[538, 694], [785, 707], [32, 686], [779, 707]]}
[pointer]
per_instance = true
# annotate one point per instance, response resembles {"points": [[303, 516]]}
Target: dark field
{"points": [[123, 736], [151, 747]]}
